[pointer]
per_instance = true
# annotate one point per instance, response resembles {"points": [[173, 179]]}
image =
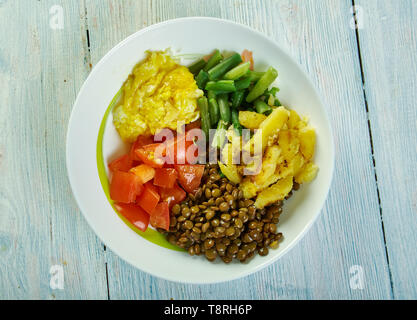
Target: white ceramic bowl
{"points": [[86, 152]]}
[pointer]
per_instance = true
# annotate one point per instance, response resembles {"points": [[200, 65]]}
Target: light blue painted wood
{"points": [[41, 71], [40, 224], [389, 54], [349, 232]]}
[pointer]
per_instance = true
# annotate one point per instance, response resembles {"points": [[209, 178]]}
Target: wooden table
{"points": [[363, 246]]}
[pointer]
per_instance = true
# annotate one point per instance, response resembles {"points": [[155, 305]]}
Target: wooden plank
{"points": [[41, 70], [348, 232], [389, 55]]}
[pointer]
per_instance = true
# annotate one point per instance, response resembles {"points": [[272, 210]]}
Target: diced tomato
{"points": [[176, 150], [134, 214], [165, 177], [144, 172], [207, 57], [172, 195], [190, 176], [125, 187], [152, 154], [160, 216], [247, 56], [140, 142], [149, 198], [193, 125], [123, 163]]}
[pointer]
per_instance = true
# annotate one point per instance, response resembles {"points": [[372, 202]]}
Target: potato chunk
{"points": [[289, 143], [270, 180], [268, 128], [231, 172], [293, 119], [251, 120], [307, 173], [274, 193], [248, 188], [307, 137], [269, 163], [227, 166]]}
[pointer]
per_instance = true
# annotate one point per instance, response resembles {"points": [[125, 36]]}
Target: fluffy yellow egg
{"points": [[158, 94]]}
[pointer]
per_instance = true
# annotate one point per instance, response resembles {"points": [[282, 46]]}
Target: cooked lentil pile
{"points": [[218, 222]]}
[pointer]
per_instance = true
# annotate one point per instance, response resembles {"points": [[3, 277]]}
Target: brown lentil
{"points": [[218, 221]]}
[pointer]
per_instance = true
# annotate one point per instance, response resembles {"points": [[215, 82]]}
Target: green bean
{"points": [[214, 111], [202, 79], [263, 83], [221, 85], [224, 66], [261, 106], [214, 60], [204, 114], [243, 83], [220, 135], [237, 98], [223, 102], [236, 123], [273, 91], [255, 75], [277, 103], [197, 66], [211, 94], [237, 72]]}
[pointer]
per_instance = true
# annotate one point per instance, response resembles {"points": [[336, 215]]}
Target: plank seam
{"points": [[372, 144], [86, 46], [89, 65], [107, 280]]}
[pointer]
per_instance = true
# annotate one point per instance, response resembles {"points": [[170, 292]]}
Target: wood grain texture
{"points": [[388, 43], [349, 232], [41, 70]]}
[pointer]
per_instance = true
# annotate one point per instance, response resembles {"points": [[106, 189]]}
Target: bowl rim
{"points": [[304, 231]]}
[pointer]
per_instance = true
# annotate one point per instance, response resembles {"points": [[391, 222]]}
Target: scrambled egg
{"points": [[157, 94]]}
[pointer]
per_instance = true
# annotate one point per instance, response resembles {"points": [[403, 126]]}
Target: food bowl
{"points": [[92, 141]]}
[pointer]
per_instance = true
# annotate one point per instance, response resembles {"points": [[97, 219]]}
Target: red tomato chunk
{"points": [[160, 216], [190, 176], [152, 155], [144, 172], [172, 195], [134, 214], [165, 177], [149, 198], [140, 142], [247, 57], [125, 187], [123, 163]]}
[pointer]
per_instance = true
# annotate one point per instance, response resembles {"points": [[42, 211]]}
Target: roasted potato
{"points": [[289, 143], [307, 137], [270, 180], [251, 120], [293, 119], [274, 193], [268, 128], [227, 166], [307, 173], [231, 172], [248, 188], [269, 164], [279, 154]]}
